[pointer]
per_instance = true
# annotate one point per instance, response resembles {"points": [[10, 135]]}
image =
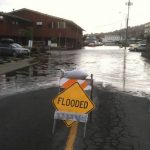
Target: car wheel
{"points": [[14, 54]]}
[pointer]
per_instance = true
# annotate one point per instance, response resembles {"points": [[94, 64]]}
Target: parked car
{"points": [[13, 49], [138, 47], [6, 40]]}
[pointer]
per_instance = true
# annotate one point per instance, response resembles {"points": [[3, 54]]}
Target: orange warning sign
{"points": [[73, 99]]}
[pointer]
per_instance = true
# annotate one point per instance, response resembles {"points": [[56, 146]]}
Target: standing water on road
{"points": [[106, 63]]}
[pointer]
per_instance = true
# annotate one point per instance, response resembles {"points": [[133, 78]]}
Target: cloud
{"points": [[3, 2], [89, 14]]}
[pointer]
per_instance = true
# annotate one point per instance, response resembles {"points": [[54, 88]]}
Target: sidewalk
{"points": [[15, 65]]}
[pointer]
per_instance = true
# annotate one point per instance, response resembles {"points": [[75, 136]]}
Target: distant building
{"points": [[147, 34], [91, 39], [110, 39], [25, 24]]}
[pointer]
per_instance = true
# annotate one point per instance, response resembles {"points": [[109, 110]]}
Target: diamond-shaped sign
{"points": [[73, 99]]}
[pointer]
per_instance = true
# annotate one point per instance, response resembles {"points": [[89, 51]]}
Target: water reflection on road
{"points": [[105, 63]]}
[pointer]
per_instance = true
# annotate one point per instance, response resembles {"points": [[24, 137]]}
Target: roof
{"points": [[25, 9], [14, 17]]}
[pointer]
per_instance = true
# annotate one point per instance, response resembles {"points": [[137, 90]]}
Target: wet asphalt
{"points": [[119, 122]]}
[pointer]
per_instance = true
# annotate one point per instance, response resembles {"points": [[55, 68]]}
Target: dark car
{"points": [[13, 49], [6, 40]]}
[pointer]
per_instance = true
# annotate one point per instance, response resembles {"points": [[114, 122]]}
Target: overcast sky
{"points": [[94, 16]]}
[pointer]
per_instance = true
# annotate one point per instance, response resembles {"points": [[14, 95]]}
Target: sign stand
{"points": [[54, 124], [73, 104], [84, 129], [73, 116], [91, 95]]}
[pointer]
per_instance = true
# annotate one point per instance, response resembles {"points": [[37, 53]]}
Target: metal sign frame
{"points": [[70, 116], [74, 116]]}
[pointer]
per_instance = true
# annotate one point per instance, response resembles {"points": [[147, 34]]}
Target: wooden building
{"points": [[12, 26], [25, 24]]}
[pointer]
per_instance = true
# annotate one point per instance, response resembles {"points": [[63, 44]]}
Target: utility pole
{"points": [[129, 3], [127, 22]]}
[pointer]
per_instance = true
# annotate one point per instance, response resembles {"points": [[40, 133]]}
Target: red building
{"points": [[24, 24], [13, 26]]}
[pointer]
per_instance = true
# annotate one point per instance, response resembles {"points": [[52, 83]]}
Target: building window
{"points": [[51, 25], [62, 25], [55, 25], [39, 23], [1, 17], [13, 22]]}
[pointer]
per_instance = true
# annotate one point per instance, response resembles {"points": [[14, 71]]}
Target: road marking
{"points": [[71, 136]]}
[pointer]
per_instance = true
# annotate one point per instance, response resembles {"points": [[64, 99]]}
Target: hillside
{"points": [[133, 32], [136, 32]]}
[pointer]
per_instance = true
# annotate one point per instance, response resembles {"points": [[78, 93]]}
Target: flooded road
{"points": [[27, 117], [105, 63]]}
